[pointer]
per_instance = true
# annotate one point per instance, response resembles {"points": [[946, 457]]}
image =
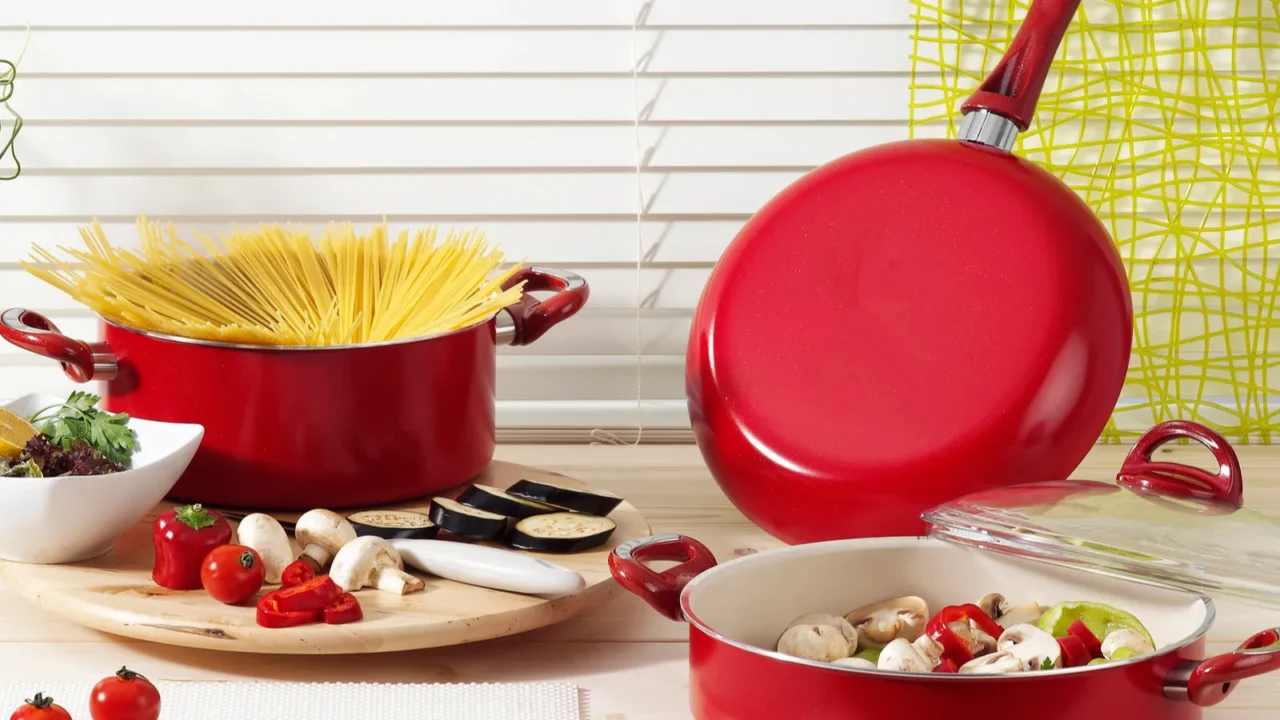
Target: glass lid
{"points": [[1160, 522]]}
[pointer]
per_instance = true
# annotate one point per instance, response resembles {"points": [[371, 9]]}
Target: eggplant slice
{"points": [[591, 502], [483, 497], [466, 521], [393, 524], [563, 532]]}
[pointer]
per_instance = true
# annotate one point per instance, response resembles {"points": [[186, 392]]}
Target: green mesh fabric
{"points": [[1162, 115]]}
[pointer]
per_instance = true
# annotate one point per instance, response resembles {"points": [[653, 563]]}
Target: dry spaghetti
{"points": [[279, 286]]}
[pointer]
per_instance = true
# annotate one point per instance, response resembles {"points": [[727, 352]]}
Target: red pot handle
{"points": [[1142, 474], [660, 589], [530, 318], [36, 333], [1210, 681], [1013, 88]]}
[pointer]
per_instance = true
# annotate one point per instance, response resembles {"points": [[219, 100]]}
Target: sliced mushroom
{"points": [[372, 561], [814, 642], [834, 621], [974, 637], [1007, 615], [883, 622], [267, 537], [856, 662], [901, 655], [1125, 638], [1001, 663], [929, 649], [322, 533], [1034, 648]]}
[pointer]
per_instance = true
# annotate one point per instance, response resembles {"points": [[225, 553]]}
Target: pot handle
{"points": [[660, 589], [36, 333], [1142, 474], [1210, 681], [530, 318]]}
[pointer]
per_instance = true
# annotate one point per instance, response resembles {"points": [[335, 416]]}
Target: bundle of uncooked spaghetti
{"points": [[278, 286]]}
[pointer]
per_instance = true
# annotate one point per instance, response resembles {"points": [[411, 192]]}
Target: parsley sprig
{"points": [[80, 419]]}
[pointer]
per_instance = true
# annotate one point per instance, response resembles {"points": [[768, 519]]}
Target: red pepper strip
{"points": [[953, 648], [271, 616], [982, 620], [314, 594], [296, 573], [1091, 641], [1074, 652], [345, 609], [946, 666]]}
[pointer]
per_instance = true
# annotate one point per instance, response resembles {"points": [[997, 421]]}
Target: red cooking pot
{"points": [[911, 323], [1159, 527], [297, 428]]}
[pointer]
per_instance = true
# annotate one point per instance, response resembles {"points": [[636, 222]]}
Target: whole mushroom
{"points": [[901, 655], [267, 537], [883, 622], [834, 621], [1127, 639], [1033, 647], [322, 533], [1000, 663], [371, 561], [1006, 615], [814, 642]]}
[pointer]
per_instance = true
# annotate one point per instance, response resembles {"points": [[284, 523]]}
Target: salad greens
{"points": [[78, 419]]}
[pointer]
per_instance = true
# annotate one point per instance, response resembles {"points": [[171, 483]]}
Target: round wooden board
{"points": [[114, 593]]}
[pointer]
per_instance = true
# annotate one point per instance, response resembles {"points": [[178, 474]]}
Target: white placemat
{"points": [[326, 701]]}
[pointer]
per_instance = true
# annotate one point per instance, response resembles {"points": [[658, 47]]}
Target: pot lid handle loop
{"points": [[1141, 474]]}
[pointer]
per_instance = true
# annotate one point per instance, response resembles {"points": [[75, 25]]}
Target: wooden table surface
{"points": [[629, 662]]}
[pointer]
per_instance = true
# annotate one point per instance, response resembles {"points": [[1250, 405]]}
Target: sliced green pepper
{"points": [[870, 655], [1101, 619]]}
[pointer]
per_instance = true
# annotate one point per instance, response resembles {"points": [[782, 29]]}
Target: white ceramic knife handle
{"points": [[489, 567]]}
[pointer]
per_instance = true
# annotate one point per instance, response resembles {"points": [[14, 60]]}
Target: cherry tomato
{"points": [[40, 707], [124, 696], [233, 573]]}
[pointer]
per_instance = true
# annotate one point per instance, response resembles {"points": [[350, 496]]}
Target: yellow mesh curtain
{"points": [[1162, 115]]}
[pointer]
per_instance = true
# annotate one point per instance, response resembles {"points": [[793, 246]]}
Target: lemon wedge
{"points": [[15, 431]]}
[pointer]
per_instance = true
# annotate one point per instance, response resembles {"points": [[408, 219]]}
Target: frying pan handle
{"points": [[660, 589], [1224, 489], [1013, 88], [36, 333], [1209, 682], [530, 318]]}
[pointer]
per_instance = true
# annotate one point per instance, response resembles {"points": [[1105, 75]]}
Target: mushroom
{"points": [[1033, 647], [834, 621], [372, 561], [975, 638], [855, 662], [929, 649], [998, 608], [814, 642], [901, 655], [1001, 663], [322, 533], [1124, 638], [268, 538], [883, 622]]}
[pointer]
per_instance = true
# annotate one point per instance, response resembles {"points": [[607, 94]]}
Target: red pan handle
{"points": [[1013, 88], [1142, 474], [36, 333], [1210, 681], [660, 589], [530, 318]]}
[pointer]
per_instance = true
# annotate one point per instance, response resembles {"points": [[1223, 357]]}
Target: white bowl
{"points": [[53, 520]]}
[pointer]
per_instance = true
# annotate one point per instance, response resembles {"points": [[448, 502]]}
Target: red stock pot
{"points": [[297, 428], [1149, 544]]}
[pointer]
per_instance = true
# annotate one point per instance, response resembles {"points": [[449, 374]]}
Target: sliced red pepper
{"points": [[315, 594], [954, 648], [346, 609], [1091, 641], [946, 666], [296, 573], [271, 616], [1074, 651]]}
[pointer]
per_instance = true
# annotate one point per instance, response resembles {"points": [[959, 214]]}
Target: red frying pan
{"points": [[911, 323]]}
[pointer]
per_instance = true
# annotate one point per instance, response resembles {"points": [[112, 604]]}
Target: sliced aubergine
{"points": [[393, 524], [563, 532], [498, 501], [466, 521], [591, 502]]}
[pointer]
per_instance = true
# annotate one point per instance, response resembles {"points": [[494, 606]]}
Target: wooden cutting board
{"points": [[114, 593]]}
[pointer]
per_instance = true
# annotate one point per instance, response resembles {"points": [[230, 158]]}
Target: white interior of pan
{"points": [[753, 599]]}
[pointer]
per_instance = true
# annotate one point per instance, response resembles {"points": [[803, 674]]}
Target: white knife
{"points": [[489, 567]]}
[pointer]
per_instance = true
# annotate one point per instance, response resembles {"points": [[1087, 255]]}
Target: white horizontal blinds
{"points": [[522, 118]]}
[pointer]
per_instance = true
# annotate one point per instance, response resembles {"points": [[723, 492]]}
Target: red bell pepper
{"points": [[271, 616], [315, 594], [1091, 641], [346, 609], [1074, 651], [296, 573], [183, 537], [946, 666], [954, 648]]}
